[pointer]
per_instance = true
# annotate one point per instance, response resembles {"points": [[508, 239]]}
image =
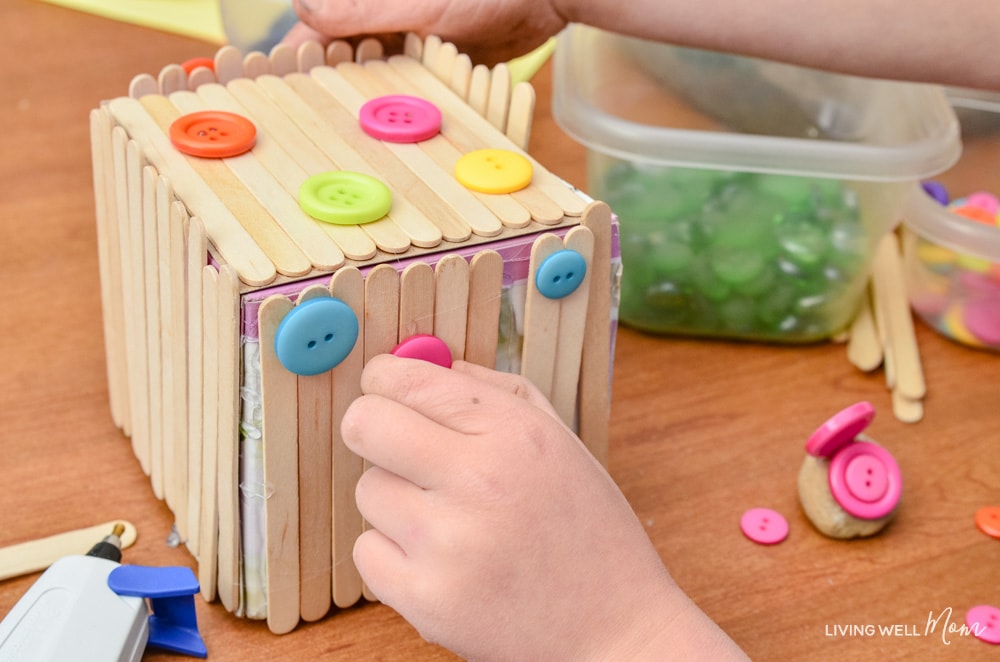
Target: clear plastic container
{"points": [[751, 194], [256, 25]]}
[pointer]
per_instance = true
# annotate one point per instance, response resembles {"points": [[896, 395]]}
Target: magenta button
{"points": [[865, 480], [764, 526], [984, 622], [840, 429], [399, 118], [982, 318], [425, 347]]}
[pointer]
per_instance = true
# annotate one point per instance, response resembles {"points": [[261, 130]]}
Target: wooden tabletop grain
{"points": [[701, 430]]}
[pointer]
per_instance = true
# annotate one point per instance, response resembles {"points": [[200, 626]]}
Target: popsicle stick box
{"points": [[269, 223]]}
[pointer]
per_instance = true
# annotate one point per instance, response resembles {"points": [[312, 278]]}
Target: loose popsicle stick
{"points": [[109, 265], [209, 520], [172, 78], [892, 287], [34, 555], [315, 424], [572, 329], [282, 206], [485, 286], [864, 350], [154, 335], [283, 59], [255, 64], [451, 303], [402, 162], [521, 113], [279, 403], [141, 85], [228, 64], [882, 321], [473, 130], [215, 176], [416, 300], [499, 101], [352, 240], [382, 293], [349, 286], [232, 241], [326, 122], [906, 409], [228, 344], [595, 369], [136, 308], [541, 323], [177, 343], [197, 255]]}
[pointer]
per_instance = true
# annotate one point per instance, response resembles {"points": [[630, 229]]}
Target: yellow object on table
{"points": [[194, 18]]}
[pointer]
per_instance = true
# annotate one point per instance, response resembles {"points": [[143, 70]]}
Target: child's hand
{"points": [[489, 31], [495, 533]]}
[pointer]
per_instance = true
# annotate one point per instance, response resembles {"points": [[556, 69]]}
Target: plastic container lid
{"points": [[630, 99], [930, 220]]}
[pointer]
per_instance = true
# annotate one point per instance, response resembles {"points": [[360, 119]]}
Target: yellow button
{"points": [[493, 171]]}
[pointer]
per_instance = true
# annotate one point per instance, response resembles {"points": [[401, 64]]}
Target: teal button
{"points": [[316, 336], [560, 274]]}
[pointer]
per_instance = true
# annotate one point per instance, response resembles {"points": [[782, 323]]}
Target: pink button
{"points": [[985, 201], [425, 347], [982, 318], [840, 429], [764, 526], [399, 118], [984, 622], [865, 480]]}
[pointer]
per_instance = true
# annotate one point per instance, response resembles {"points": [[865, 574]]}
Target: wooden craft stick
{"points": [[281, 505], [197, 255], [154, 334], [885, 337], [413, 46], [906, 410], [135, 271], [310, 54], [123, 269], [168, 409], [461, 76], [471, 130], [485, 285], [209, 520], [444, 62], [352, 240], [35, 555], [282, 205], [451, 303], [595, 369], [891, 284], [177, 348], [499, 100], [479, 89], [864, 350], [214, 176], [541, 323], [283, 60], [572, 329], [429, 51], [315, 423], [369, 49], [228, 64], [255, 64], [339, 51], [416, 300], [109, 263], [228, 346], [348, 286], [327, 123], [200, 76], [521, 113], [172, 78], [141, 85], [229, 237]]}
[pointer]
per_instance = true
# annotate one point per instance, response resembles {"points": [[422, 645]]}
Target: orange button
{"points": [[213, 134], [988, 520], [196, 62]]}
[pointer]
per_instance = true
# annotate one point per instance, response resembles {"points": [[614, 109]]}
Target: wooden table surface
{"points": [[701, 430]]}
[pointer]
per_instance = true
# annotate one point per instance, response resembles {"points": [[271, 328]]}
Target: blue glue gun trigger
{"points": [[173, 624]]}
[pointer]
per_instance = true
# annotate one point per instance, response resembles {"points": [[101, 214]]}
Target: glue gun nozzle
{"points": [[118, 530]]}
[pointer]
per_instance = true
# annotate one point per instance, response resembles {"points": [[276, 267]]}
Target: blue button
{"points": [[560, 274], [316, 336]]}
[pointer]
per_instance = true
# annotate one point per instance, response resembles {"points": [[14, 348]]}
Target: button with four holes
{"points": [[425, 347], [764, 526], [560, 274], [316, 335], [213, 134], [400, 118], [345, 198], [493, 171], [984, 623]]}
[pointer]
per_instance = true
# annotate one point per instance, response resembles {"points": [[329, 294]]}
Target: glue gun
{"points": [[92, 609]]}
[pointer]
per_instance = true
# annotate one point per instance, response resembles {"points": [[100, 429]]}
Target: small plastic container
{"points": [[952, 267], [751, 194]]}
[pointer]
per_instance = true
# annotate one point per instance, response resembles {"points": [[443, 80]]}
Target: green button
{"points": [[345, 198]]}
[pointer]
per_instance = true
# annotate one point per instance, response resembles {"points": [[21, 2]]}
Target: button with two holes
{"points": [[316, 335], [400, 118], [425, 347], [213, 134], [764, 526], [345, 198], [493, 171], [560, 274]]}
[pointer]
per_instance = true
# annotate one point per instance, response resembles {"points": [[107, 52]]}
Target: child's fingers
{"points": [[399, 439], [516, 385], [382, 565], [393, 505]]}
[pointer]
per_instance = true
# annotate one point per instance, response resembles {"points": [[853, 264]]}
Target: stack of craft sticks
{"points": [[882, 334]]}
